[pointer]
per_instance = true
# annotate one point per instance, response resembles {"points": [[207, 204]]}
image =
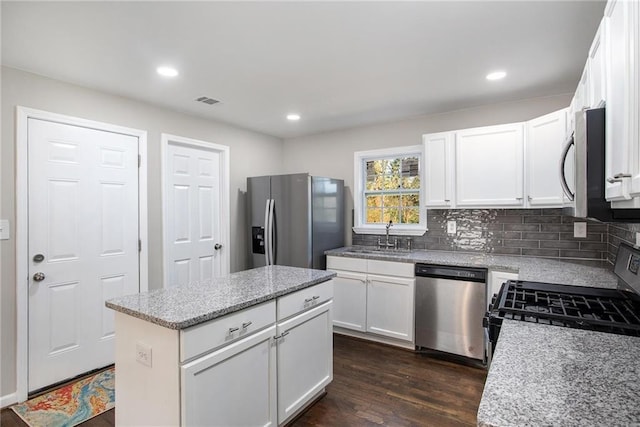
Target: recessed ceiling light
{"points": [[496, 75], [167, 71], [293, 117]]}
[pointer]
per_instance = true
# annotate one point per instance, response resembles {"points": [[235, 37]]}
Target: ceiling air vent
{"points": [[207, 100]]}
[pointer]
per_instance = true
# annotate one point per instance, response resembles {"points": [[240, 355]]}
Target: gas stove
{"points": [[597, 309]]}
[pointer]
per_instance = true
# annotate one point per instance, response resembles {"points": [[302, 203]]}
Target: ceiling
{"points": [[337, 64]]}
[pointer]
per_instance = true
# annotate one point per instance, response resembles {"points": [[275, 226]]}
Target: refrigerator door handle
{"points": [[266, 232], [271, 234]]}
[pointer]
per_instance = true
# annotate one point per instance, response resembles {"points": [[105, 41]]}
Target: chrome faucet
{"points": [[388, 244]]}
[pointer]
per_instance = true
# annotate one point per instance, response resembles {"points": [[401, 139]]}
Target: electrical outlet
{"points": [[4, 229], [451, 227], [580, 230], [143, 353]]}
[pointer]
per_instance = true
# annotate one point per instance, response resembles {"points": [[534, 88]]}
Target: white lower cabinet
{"points": [[390, 306], [350, 300], [374, 299], [496, 279], [234, 386], [305, 359]]}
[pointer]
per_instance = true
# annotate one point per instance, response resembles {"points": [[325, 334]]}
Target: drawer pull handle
{"points": [[308, 300], [282, 335], [618, 177], [315, 297], [246, 325], [232, 330]]}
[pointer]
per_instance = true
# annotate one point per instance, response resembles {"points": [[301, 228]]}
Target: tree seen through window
{"points": [[392, 191]]}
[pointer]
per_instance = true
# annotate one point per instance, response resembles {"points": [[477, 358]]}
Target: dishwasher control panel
{"points": [[451, 272]]}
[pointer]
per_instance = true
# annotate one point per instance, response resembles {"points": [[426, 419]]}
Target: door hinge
{"points": [[139, 160], [139, 245]]}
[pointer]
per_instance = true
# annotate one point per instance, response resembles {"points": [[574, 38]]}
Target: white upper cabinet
{"points": [[439, 169], [582, 92], [621, 43], [545, 139], [489, 166], [597, 69]]}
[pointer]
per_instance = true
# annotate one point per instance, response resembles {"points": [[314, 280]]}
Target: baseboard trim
{"points": [[375, 338], [8, 399]]}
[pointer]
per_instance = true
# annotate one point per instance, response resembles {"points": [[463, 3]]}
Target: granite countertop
{"points": [[189, 305], [550, 375], [532, 269]]}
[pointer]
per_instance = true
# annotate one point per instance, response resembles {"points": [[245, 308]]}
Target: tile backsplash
{"points": [[546, 233], [619, 232]]}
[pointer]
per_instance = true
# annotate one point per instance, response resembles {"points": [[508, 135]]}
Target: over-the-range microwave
{"points": [[588, 141]]}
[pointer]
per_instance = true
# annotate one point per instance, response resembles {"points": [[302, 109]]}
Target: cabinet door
{"points": [[496, 279], [546, 137], [305, 359], [489, 166], [234, 386], [583, 94], [350, 300], [634, 93], [390, 307], [439, 169], [619, 117], [597, 70]]}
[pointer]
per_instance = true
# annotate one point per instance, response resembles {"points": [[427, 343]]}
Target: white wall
{"points": [[250, 154], [331, 153]]}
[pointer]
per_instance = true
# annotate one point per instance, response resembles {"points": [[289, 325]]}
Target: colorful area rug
{"points": [[71, 404]]}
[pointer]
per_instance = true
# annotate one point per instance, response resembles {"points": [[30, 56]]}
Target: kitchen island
{"points": [[251, 348]]}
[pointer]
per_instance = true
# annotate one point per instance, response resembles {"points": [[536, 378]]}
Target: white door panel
{"points": [[83, 218], [192, 206]]}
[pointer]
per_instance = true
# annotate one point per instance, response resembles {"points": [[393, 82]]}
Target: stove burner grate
{"points": [[607, 310]]}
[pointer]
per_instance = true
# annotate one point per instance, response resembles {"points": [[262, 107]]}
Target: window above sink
{"points": [[389, 187]]}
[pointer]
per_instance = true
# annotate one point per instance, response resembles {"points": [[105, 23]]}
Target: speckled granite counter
{"points": [[554, 376], [188, 305], [533, 269]]}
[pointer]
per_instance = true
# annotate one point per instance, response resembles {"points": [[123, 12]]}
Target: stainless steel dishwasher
{"points": [[450, 305]]}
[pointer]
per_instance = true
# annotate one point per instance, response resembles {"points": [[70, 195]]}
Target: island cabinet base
{"points": [[146, 395], [261, 366]]}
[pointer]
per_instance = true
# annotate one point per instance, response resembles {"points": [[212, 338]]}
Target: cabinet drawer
{"points": [[304, 299], [202, 338], [344, 263], [388, 268]]}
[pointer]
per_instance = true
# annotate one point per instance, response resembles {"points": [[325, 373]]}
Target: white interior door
{"points": [[82, 245], [194, 242]]}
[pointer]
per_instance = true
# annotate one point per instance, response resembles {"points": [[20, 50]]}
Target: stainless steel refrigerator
{"points": [[294, 219]]}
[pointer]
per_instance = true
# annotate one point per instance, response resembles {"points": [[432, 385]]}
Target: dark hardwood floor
{"points": [[374, 384]]}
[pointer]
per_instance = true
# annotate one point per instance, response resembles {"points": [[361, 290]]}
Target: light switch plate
{"points": [[143, 353], [451, 227], [580, 230], [637, 239], [4, 229]]}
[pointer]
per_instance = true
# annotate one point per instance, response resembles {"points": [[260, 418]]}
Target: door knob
{"points": [[38, 277], [217, 246]]}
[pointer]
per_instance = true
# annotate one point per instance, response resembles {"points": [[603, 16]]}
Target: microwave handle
{"points": [[563, 160]]}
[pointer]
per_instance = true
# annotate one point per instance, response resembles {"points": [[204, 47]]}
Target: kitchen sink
{"points": [[378, 251]]}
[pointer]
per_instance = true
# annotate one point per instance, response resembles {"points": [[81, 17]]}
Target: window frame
{"points": [[360, 158]]}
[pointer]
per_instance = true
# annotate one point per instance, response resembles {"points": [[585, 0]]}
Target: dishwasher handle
{"points": [[452, 273]]}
